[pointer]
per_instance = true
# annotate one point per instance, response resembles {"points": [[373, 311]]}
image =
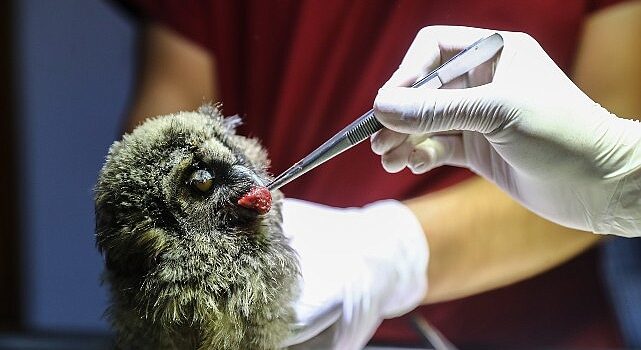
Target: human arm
{"points": [[480, 239], [173, 74], [606, 65], [522, 124]]}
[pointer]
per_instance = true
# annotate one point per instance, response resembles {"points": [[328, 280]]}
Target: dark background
{"points": [[9, 223], [65, 74]]}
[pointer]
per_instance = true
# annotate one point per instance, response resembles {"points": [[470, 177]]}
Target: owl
{"points": [[188, 263]]}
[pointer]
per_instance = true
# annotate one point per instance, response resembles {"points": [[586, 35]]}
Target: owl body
{"points": [[187, 267]]}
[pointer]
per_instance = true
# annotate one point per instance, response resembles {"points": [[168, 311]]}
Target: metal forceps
{"points": [[366, 125]]}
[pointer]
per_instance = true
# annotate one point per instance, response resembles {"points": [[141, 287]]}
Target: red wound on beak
{"points": [[258, 198]]}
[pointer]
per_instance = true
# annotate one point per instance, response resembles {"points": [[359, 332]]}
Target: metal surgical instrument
{"points": [[366, 125]]}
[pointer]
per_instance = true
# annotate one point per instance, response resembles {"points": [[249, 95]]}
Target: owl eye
{"points": [[201, 180]]}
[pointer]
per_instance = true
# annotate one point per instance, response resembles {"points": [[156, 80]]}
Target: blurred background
{"points": [[65, 74]]}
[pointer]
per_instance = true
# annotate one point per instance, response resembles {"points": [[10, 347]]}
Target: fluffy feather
{"points": [[190, 269]]}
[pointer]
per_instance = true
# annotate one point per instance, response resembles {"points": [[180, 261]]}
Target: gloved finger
{"points": [[397, 158], [385, 140], [432, 46], [436, 151], [422, 57], [415, 111], [360, 317], [453, 39], [316, 320], [406, 76], [516, 44], [477, 76], [482, 74]]}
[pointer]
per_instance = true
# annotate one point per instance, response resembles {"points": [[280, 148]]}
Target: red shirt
{"points": [[298, 71]]}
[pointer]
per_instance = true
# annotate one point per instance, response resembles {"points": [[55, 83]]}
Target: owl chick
{"points": [[187, 266]]}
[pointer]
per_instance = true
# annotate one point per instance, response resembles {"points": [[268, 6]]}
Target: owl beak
{"points": [[258, 199]]}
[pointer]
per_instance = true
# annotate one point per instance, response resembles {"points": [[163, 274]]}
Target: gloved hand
{"points": [[359, 266], [519, 122]]}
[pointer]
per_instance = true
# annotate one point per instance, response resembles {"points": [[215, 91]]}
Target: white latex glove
{"points": [[359, 266], [529, 129]]}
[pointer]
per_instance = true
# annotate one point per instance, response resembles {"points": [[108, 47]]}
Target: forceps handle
{"points": [[367, 124]]}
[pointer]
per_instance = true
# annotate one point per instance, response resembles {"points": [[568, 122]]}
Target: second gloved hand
{"points": [[359, 266], [518, 121]]}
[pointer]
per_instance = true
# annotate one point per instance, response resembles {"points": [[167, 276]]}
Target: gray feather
{"points": [[189, 269]]}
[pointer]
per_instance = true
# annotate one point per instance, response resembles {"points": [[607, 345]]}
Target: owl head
{"points": [[178, 248]]}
